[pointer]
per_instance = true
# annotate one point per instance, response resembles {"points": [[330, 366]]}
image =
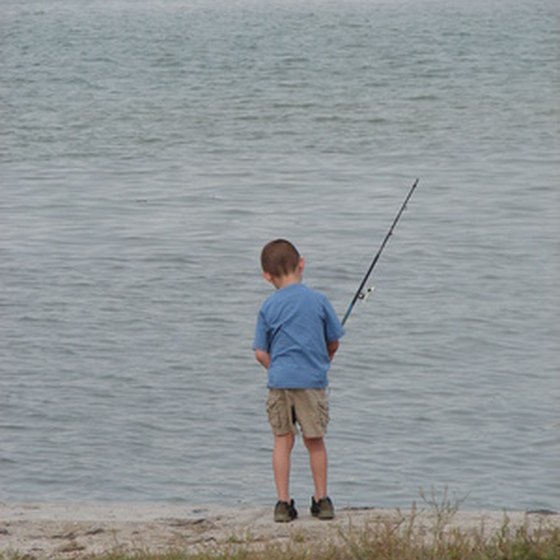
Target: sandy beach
{"points": [[75, 530]]}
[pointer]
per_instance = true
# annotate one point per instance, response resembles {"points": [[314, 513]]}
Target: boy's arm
{"points": [[263, 358], [332, 347]]}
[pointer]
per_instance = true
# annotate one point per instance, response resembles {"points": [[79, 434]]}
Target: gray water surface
{"points": [[149, 149]]}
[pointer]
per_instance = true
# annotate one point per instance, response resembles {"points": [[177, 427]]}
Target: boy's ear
{"points": [[267, 276], [301, 265]]}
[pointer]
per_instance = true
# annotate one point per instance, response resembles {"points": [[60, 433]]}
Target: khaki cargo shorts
{"points": [[307, 407]]}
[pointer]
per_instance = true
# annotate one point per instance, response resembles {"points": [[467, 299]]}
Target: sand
{"points": [[73, 530]]}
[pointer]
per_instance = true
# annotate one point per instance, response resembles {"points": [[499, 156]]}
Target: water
{"points": [[148, 151]]}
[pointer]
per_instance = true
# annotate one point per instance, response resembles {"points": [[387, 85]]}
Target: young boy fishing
{"points": [[296, 337]]}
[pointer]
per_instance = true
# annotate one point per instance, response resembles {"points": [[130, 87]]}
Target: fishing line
{"points": [[360, 293]]}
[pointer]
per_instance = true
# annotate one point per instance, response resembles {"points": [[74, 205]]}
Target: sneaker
{"points": [[285, 512], [323, 509]]}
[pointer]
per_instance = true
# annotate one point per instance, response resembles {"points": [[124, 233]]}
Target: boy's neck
{"points": [[287, 280]]}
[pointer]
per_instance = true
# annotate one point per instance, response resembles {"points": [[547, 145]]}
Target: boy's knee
{"points": [[313, 442], [285, 439]]}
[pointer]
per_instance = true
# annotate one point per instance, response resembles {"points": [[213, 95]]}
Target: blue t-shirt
{"points": [[294, 326]]}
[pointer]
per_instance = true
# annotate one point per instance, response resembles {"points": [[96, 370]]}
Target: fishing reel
{"points": [[364, 295]]}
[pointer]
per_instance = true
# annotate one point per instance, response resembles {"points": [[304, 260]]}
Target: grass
{"points": [[382, 541]]}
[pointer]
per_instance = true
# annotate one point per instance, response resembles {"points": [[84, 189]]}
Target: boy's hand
{"points": [[263, 358], [332, 347]]}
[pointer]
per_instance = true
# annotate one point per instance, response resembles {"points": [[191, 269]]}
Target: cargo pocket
{"points": [[323, 410], [275, 409]]}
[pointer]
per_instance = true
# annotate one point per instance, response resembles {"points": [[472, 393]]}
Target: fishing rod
{"points": [[360, 294]]}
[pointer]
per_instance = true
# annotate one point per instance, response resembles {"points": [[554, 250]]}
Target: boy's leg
{"points": [[281, 458], [318, 461], [321, 504]]}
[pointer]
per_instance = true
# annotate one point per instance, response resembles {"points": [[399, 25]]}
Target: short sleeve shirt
{"points": [[294, 326]]}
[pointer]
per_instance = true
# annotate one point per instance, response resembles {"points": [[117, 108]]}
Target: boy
{"points": [[296, 338]]}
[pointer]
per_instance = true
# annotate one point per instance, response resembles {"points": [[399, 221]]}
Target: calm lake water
{"points": [[148, 149]]}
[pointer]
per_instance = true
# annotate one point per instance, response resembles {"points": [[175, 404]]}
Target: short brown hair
{"points": [[279, 258]]}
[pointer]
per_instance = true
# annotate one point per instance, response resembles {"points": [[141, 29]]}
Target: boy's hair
{"points": [[279, 258]]}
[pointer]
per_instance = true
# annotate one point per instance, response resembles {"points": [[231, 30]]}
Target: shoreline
{"points": [[74, 530]]}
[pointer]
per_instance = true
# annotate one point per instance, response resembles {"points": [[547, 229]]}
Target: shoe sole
{"points": [[323, 515], [284, 518]]}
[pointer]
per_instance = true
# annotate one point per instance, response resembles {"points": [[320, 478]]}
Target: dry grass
{"points": [[387, 542], [382, 541]]}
